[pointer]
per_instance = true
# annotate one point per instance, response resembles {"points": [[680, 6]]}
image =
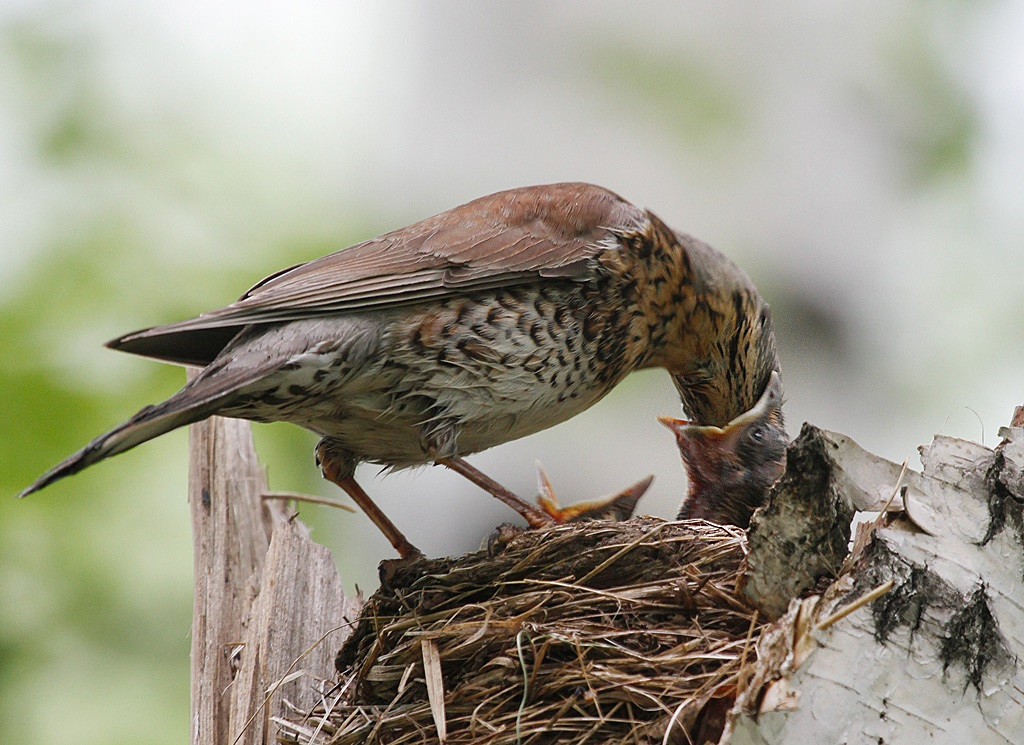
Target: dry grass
{"points": [[626, 632]]}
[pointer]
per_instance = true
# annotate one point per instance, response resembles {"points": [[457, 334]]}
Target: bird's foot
{"points": [[500, 537], [389, 569], [618, 506]]}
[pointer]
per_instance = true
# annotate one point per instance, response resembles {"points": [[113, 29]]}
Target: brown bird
{"points": [[731, 468], [485, 323]]}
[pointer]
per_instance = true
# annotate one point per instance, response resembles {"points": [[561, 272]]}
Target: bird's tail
{"points": [[191, 404]]}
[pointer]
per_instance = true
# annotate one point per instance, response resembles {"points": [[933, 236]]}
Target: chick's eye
{"points": [[757, 434]]}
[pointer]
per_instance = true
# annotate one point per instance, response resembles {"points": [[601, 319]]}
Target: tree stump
{"points": [[644, 631]]}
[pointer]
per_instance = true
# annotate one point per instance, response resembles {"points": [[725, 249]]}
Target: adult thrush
{"points": [[731, 468], [480, 325]]}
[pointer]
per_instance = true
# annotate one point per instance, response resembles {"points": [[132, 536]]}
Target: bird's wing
{"points": [[511, 237]]}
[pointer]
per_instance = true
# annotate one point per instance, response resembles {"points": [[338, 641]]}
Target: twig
{"points": [[290, 496]]}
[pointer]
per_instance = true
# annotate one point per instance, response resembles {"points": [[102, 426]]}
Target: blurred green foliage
{"points": [[95, 580], [673, 90], [926, 104], [143, 208]]}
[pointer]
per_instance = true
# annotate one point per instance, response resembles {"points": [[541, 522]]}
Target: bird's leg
{"points": [[338, 469], [377, 517], [534, 517]]}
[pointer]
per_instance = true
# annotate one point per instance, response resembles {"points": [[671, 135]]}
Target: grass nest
{"points": [[624, 632]]}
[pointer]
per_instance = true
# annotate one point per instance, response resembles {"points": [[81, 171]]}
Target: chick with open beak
{"points": [[731, 468]]}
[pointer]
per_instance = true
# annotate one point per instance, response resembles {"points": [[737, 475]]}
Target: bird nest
{"points": [[590, 632]]}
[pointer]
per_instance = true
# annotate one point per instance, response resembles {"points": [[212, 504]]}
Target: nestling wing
{"points": [[511, 237]]}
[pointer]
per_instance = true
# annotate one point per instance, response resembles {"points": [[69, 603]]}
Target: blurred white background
{"points": [[864, 163]]}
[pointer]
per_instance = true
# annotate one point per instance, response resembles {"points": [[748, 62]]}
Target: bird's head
{"points": [[720, 345], [731, 468]]}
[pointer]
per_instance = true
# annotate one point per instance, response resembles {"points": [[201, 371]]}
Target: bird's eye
{"points": [[757, 434]]}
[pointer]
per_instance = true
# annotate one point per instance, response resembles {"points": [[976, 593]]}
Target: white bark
{"points": [[938, 658]]}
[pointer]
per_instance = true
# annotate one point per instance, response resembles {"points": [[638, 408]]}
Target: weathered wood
{"points": [[298, 620], [933, 656], [230, 535], [264, 594]]}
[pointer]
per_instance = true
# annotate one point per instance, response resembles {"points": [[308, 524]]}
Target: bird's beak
{"points": [[768, 405], [684, 428], [703, 445], [674, 424], [618, 506]]}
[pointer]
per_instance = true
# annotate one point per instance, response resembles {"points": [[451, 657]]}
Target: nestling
{"points": [[731, 468]]}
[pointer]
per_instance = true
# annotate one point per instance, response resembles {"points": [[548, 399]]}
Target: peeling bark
{"points": [[913, 632], [938, 657], [802, 533]]}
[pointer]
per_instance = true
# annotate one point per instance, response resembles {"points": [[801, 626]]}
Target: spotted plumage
{"points": [[480, 325]]}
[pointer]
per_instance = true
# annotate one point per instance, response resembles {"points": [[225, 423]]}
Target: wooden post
{"points": [[265, 595]]}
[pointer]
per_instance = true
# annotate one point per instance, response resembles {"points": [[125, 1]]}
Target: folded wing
{"points": [[512, 237]]}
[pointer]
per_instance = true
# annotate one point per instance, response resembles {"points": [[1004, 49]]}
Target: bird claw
{"points": [[500, 537], [618, 506]]}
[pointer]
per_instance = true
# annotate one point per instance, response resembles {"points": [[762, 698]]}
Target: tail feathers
{"points": [[150, 422]]}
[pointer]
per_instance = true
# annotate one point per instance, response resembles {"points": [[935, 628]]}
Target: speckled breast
{"points": [[455, 377]]}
